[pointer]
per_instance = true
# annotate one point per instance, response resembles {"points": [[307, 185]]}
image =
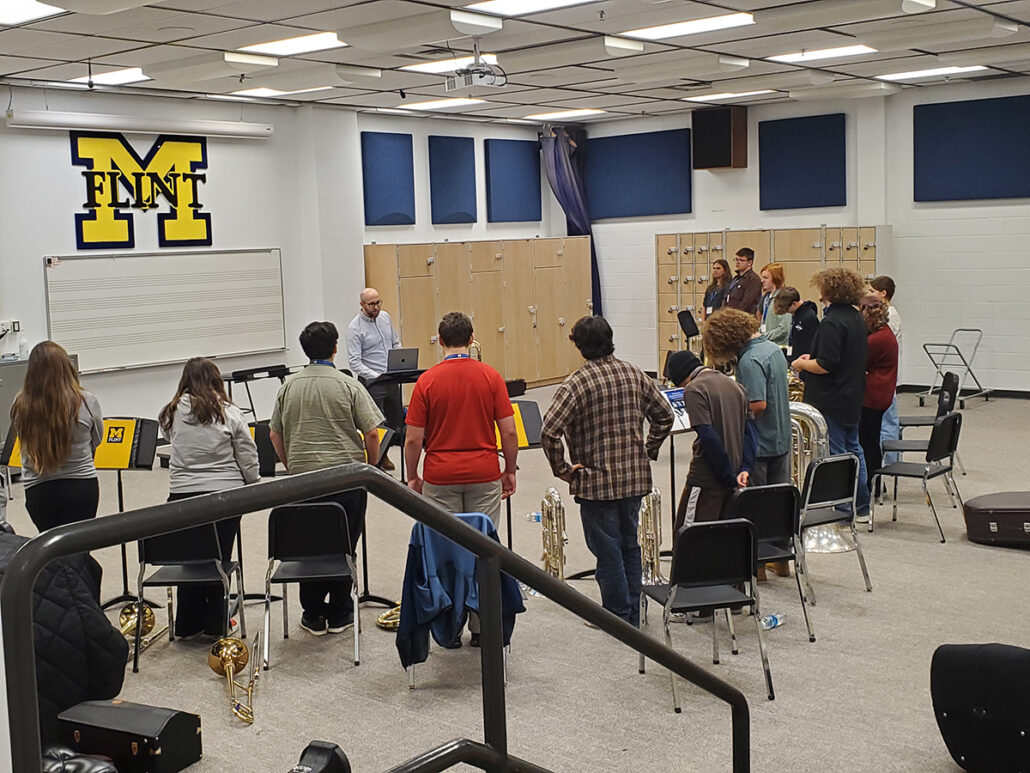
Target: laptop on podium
{"points": [[401, 360]]}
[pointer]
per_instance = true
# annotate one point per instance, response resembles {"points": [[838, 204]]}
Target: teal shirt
{"points": [[762, 371]]}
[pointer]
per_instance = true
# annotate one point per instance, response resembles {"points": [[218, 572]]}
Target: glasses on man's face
{"points": [[741, 260], [373, 303]]}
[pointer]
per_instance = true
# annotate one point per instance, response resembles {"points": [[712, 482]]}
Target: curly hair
{"points": [[727, 331], [840, 285], [874, 312]]}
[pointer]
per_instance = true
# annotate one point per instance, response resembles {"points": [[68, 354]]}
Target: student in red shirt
{"points": [[881, 378]]}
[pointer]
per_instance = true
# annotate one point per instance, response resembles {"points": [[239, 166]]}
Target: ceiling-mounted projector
{"points": [[479, 74]]}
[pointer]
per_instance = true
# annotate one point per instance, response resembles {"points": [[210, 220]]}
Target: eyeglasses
{"points": [[372, 303]]}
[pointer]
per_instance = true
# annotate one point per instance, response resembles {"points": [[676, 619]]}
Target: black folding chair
{"points": [[945, 404], [311, 541], [830, 483], [711, 561], [775, 512], [939, 461], [187, 557]]}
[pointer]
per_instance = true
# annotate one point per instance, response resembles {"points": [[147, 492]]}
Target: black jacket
{"points": [[80, 656], [840, 347], [803, 325]]}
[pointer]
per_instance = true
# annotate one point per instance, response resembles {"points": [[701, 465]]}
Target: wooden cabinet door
{"points": [[485, 256], [717, 246], [488, 317], [867, 252], [453, 279], [670, 336], [797, 244], [799, 276], [552, 326], [416, 260], [578, 301], [850, 251], [668, 279], [418, 318], [666, 248], [759, 241], [519, 309], [548, 252], [833, 241], [381, 273]]}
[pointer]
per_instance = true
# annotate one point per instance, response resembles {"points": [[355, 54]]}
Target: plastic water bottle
{"points": [[775, 620], [23, 347], [533, 517]]}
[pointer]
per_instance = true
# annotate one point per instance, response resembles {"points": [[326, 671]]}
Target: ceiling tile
{"points": [[10, 65]]}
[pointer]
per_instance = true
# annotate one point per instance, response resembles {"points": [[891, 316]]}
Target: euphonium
{"points": [[476, 350], [650, 538], [229, 656], [552, 521]]}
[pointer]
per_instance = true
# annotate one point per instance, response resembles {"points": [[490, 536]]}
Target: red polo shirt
{"points": [[458, 401]]}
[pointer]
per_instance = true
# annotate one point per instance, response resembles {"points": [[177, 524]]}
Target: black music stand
{"points": [[246, 375], [399, 378], [385, 441]]}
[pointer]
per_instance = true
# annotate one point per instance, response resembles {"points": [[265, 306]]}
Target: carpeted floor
{"points": [[856, 700]]}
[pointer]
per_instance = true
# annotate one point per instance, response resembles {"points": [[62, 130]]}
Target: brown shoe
{"points": [[761, 573], [782, 568], [388, 465]]}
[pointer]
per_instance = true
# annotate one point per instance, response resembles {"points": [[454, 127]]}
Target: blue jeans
{"points": [[890, 430], [844, 440], [610, 528]]}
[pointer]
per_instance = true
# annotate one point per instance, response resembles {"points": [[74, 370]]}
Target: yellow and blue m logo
{"points": [[118, 181], [115, 434]]}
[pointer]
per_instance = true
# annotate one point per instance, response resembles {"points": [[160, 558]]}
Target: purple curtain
{"points": [[563, 164]]}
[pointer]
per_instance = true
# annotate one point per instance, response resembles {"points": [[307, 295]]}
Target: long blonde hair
{"points": [[47, 407]]}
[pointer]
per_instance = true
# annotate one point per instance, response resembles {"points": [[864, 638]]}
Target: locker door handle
{"points": [[561, 321], [430, 261], [433, 339], [868, 245], [702, 278], [671, 309], [498, 255], [590, 305], [689, 308], [500, 329], [851, 246], [833, 246], [559, 253], [688, 279], [688, 249], [717, 248], [672, 280], [674, 337], [817, 245], [702, 249], [671, 251], [532, 309]]}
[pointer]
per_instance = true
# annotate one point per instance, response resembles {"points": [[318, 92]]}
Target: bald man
{"points": [[369, 336]]}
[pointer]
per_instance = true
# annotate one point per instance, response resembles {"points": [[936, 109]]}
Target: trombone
{"points": [[127, 621], [229, 656]]}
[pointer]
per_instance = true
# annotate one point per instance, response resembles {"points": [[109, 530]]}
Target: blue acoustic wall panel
{"points": [[452, 179], [802, 162], [978, 149], [512, 181], [388, 178], [631, 175]]}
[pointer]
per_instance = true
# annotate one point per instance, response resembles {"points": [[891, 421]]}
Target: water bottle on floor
{"points": [[533, 517], [775, 620]]}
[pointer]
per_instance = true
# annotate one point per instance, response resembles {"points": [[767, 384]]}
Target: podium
{"points": [[126, 444]]}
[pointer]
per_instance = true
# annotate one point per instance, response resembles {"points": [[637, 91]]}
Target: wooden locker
{"points": [[797, 244], [488, 317], [850, 251], [759, 241], [578, 293], [418, 317], [416, 260], [833, 239], [666, 249], [799, 276], [867, 251], [670, 336], [381, 273], [551, 325], [668, 307], [485, 256], [717, 246], [668, 278], [453, 279], [519, 306], [548, 252]]}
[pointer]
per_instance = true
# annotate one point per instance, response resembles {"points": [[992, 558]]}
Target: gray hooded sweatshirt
{"points": [[211, 457]]}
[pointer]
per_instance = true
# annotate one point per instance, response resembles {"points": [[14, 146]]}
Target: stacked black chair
{"points": [[946, 399]]}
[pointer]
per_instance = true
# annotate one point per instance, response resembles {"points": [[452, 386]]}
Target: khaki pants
{"points": [[467, 498]]}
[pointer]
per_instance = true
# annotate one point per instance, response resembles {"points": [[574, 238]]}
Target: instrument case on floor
{"points": [[999, 519], [137, 738], [979, 694]]}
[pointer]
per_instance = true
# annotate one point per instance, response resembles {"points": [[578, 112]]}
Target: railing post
{"points": [[741, 729], [491, 637]]}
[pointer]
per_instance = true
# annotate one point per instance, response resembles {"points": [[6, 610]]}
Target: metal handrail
{"points": [[29, 561]]}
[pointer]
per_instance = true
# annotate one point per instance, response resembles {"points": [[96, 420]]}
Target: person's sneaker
{"points": [[474, 640], [342, 624], [316, 626], [388, 465], [864, 518], [454, 645]]}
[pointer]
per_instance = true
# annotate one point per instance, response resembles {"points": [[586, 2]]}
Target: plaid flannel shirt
{"points": [[599, 411]]}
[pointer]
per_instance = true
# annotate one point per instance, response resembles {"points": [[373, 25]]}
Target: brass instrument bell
{"points": [[127, 620]]}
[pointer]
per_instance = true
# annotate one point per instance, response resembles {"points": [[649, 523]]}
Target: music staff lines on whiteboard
{"points": [[182, 315], [219, 331], [161, 280]]}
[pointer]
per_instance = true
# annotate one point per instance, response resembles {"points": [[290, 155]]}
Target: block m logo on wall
{"points": [[118, 181]]}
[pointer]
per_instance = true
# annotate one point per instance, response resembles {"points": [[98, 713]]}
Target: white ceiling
{"points": [[63, 47]]}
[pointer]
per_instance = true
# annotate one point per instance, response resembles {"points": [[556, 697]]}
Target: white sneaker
{"points": [[862, 518]]}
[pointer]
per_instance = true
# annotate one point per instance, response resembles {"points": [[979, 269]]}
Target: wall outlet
{"points": [[15, 326]]}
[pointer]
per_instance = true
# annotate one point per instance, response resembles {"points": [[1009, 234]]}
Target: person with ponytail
{"points": [[212, 450], [59, 426]]}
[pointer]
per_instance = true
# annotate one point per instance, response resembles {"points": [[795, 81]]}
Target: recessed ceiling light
{"points": [[932, 73], [441, 104], [522, 7], [448, 65], [319, 41], [727, 95], [115, 77], [561, 115], [693, 27], [823, 53], [21, 11], [267, 92]]}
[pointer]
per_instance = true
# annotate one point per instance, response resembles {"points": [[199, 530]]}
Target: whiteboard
{"points": [[141, 309]]}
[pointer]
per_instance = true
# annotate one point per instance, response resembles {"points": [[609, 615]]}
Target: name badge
{"points": [[790, 350], [709, 310], [762, 328]]}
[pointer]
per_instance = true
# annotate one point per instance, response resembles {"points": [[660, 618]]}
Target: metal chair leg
{"points": [[715, 638], [242, 598], [958, 494], [733, 633], [804, 606], [873, 502], [171, 615], [894, 502], [929, 501], [643, 621], [861, 558], [286, 614], [761, 641], [803, 563], [357, 624], [411, 677], [267, 624], [672, 674], [961, 466]]}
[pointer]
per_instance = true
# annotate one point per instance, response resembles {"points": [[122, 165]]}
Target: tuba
{"points": [[650, 538], [810, 441], [229, 656], [552, 522], [128, 619]]}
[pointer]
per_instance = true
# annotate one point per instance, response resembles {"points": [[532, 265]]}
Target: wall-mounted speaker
{"points": [[719, 137]]}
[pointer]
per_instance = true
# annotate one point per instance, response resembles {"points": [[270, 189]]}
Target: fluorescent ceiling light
{"points": [[522, 7], [1017, 52], [833, 13], [693, 27], [99, 7], [419, 29], [823, 53], [263, 91], [303, 44], [21, 11], [441, 104], [727, 95], [852, 90], [114, 78], [914, 35], [691, 67], [561, 115], [217, 64], [932, 73], [448, 65], [134, 124]]}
